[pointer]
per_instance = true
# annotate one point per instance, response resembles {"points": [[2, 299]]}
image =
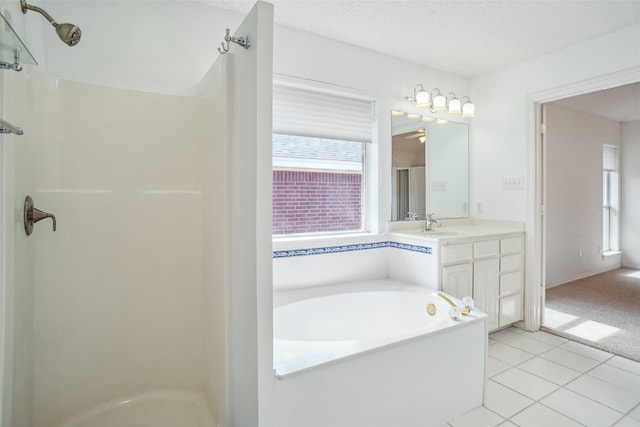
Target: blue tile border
{"points": [[414, 248], [350, 248]]}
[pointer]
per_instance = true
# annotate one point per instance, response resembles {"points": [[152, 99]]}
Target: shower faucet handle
{"points": [[32, 215]]}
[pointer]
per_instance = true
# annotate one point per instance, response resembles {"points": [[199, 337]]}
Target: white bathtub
{"points": [[369, 354]]}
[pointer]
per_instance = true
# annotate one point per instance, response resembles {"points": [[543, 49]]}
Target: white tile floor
{"points": [[535, 379]]}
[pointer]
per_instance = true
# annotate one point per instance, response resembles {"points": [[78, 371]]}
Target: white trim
{"points": [[585, 275], [3, 275], [4, 396], [534, 267], [607, 81]]}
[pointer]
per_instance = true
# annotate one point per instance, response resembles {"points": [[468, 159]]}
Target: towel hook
{"points": [[242, 41]]}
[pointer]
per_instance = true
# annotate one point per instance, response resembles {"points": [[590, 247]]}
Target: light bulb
{"points": [[422, 99], [439, 102], [454, 106], [468, 110]]}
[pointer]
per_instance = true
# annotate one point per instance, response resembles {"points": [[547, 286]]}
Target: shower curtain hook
{"points": [[242, 41]]}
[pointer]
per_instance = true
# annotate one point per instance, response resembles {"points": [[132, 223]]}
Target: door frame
{"points": [[536, 175], [4, 260]]}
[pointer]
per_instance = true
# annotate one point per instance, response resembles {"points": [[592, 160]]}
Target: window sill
{"points": [[610, 253], [303, 242], [307, 237]]}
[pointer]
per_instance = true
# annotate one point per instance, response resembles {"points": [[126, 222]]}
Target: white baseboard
{"points": [[583, 276]]}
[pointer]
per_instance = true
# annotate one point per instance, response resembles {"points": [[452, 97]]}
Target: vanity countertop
{"points": [[458, 232]]}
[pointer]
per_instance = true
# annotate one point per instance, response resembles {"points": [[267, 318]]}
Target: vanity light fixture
{"points": [[438, 103], [397, 113]]}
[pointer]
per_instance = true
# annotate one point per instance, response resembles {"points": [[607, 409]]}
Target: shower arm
{"points": [[70, 34], [25, 7]]}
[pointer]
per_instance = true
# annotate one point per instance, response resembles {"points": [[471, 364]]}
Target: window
{"points": [[609, 198], [320, 145]]}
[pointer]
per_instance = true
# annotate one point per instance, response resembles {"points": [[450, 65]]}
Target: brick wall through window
{"points": [[316, 201]]}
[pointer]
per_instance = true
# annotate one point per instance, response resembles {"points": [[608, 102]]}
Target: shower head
{"points": [[68, 33]]}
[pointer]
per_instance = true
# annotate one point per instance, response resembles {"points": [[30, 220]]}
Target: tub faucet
{"points": [[457, 310], [429, 221]]}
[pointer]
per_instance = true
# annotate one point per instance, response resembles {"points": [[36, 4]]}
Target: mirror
{"points": [[430, 168]]}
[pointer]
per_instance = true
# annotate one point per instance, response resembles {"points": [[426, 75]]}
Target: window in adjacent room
{"points": [[320, 145], [610, 199]]}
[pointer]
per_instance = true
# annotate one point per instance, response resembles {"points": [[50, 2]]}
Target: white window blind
{"points": [[304, 112], [609, 158]]}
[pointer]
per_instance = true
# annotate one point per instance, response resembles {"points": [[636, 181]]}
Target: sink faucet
{"points": [[411, 216], [429, 221]]}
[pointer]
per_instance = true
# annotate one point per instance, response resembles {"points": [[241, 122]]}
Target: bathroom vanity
{"points": [[485, 262]]}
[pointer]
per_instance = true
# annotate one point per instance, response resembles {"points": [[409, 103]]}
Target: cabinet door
{"points": [[456, 280], [510, 309], [486, 289]]}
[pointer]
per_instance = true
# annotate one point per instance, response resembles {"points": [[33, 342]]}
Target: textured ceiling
{"points": [[466, 37]]}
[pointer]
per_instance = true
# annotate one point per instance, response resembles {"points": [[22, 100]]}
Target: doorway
{"points": [[561, 250]]}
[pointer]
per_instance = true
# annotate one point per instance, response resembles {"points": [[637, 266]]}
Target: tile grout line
{"points": [[559, 386], [624, 414]]}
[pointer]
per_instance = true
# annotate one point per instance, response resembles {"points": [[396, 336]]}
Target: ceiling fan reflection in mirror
{"points": [[420, 134]]}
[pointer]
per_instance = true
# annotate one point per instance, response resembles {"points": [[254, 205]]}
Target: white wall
{"points": [[499, 131], [630, 195], [359, 263], [123, 47], [156, 46], [251, 289], [574, 143], [503, 142], [312, 57]]}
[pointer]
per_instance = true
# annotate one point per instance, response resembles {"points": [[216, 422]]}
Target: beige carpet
{"points": [[602, 311]]}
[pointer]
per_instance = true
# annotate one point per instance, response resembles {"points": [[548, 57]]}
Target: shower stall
{"points": [[153, 286]]}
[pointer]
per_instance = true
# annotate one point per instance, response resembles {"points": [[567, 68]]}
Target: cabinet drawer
{"points": [[455, 253], [510, 283], [510, 245], [486, 248], [510, 262]]}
